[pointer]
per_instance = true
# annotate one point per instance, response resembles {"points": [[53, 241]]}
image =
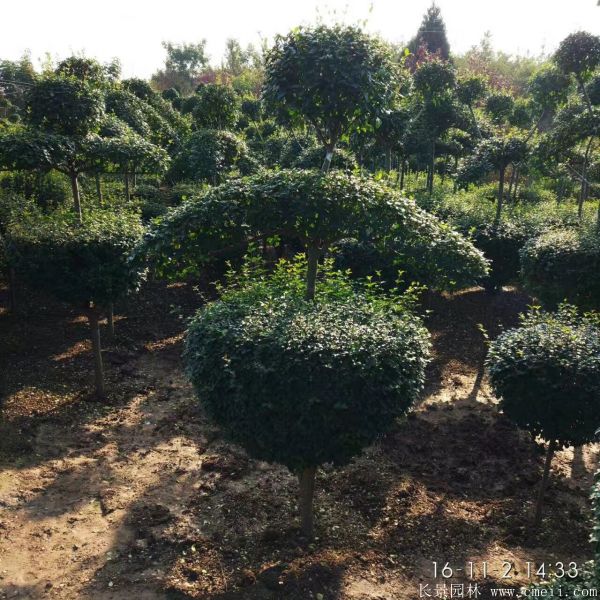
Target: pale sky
{"points": [[132, 30]]}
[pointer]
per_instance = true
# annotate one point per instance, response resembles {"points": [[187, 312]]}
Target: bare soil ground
{"points": [[138, 497]]}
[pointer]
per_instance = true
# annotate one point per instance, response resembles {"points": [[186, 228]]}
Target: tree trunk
{"points": [[516, 188], [312, 255], [583, 192], [127, 194], [402, 174], [475, 121], [500, 197], [98, 188], [511, 181], [328, 157], [540, 499], [455, 188], [93, 318], [307, 493], [431, 169], [388, 159], [76, 196], [110, 319]]}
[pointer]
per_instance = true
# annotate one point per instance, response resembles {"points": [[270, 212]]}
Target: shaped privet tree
{"points": [[578, 55], [325, 412], [335, 79], [84, 264], [547, 375], [61, 113]]}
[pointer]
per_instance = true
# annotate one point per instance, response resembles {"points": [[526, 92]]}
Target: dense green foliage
{"points": [[337, 79], [78, 263], [563, 265], [547, 375], [316, 209], [301, 382], [208, 155]]}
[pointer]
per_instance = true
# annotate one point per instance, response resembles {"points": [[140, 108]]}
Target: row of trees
{"points": [[302, 366]]}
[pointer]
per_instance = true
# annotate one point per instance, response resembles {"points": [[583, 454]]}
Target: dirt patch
{"points": [[139, 497]]}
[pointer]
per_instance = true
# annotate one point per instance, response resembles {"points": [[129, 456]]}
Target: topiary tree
{"points": [[302, 382], [470, 89], [494, 153], [563, 265], [62, 112], [546, 374], [208, 155], [579, 55], [336, 79], [316, 209], [499, 106], [85, 264], [217, 107], [435, 83]]}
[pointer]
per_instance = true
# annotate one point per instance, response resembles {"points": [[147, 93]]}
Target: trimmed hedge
{"points": [[305, 382], [563, 265], [547, 375], [77, 263]]}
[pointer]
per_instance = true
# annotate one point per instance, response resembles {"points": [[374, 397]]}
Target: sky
{"points": [[133, 30]]}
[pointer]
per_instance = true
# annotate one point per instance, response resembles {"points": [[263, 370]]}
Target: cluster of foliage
{"points": [[317, 210], [546, 374], [81, 264], [303, 382], [563, 265]]}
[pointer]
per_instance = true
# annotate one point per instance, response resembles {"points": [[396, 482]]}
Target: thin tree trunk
{"points": [[475, 121], [402, 174], [328, 157], [76, 196], [312, 255], [431, 168], [500, 197], [110, 319], [307, 494], [583, 192], [511, 181], [540, 499], [388, 159], [455, 188], [516, 189], [127, 194], [93, 318], [98, 188]]}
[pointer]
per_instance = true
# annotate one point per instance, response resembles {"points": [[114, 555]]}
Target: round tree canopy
{"points": [[77, 262], [316, 209], [302, 383], [547, 375]]}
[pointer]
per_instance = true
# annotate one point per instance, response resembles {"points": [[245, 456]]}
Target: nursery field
{"points": [[321, 322], [139, 497]]}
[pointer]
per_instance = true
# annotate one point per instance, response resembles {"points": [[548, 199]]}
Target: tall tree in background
{"points": [[432, 34], [183, 65]]}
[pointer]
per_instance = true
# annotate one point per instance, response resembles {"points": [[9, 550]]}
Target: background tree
{"points": [[432, 34], [183, 65], [217, 107], [336, 79]]}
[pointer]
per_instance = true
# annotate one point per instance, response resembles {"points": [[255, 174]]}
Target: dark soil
{"points": [[138, 498]]}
